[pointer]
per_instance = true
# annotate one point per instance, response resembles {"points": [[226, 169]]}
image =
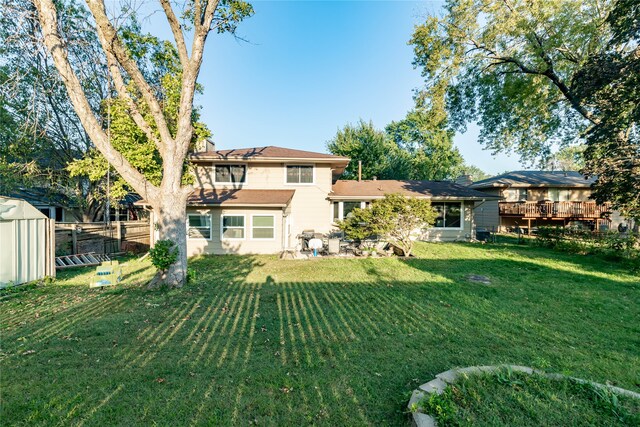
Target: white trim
{"points": [[273, 227], [462, 215], [230, 183], [210, 227], [244, 227], [313, 168]]}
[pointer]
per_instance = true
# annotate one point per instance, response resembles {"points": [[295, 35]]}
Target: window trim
{"points": [[244, 228], [313, 168], [210, 227], [273, 227], [462, 208], [363, 205], [246, 173]]}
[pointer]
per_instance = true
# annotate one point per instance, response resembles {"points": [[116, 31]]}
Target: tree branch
{"points": [[48, 21], [111, 43], [176, 28]]}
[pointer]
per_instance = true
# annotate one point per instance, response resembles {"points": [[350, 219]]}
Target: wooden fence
{"points": [[101, 238]]}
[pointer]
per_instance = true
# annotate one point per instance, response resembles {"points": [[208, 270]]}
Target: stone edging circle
{"points": [[443, 379]]}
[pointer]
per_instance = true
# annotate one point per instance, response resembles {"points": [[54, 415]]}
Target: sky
{"points": [[304, 69]]}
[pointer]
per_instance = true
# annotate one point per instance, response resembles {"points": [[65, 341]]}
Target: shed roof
{"points": [[442, 190], [536, 179], [11, 209]]}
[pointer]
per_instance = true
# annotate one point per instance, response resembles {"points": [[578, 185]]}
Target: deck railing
{"points": [[545, 209]]}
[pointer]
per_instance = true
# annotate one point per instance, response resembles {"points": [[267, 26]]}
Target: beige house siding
{"points": [[450, 235], [247, 245], [310, 208]]}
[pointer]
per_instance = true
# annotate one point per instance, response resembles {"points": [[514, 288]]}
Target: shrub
{"points": [[394, 218], [163, 254]]}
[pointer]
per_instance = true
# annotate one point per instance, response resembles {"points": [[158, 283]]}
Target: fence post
{"points": [[118, 225], [74, 240]]}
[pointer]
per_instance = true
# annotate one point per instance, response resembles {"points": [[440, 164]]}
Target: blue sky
{"points": [[309, 67]]}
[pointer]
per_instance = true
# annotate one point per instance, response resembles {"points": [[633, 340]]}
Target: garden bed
{"points": [[508, 396]]}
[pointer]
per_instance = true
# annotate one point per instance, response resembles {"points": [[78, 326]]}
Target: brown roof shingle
{"points": [[240, 197], [430, 189], [263, 153]]}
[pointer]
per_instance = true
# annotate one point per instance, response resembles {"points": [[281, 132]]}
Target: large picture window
{"points": [[231, 173], [263, 227], [232, 227], [199, 226], [298, 174], [449, 214]]}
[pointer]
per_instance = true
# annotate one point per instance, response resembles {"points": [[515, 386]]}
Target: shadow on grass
{"points": [[227, 351]]}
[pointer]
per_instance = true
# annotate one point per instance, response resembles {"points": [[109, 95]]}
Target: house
{"points": [[534, 198], [260, 200], [58, 206]]}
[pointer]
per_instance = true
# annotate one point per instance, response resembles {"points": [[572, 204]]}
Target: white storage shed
{"points": [[27, 243]]}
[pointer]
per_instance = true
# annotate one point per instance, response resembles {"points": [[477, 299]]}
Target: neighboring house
{"points": [[52, 205], [534, 198], [58, 206], [259, 200]]}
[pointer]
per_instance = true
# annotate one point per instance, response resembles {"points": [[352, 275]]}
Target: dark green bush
{"points": [[163, 254]]}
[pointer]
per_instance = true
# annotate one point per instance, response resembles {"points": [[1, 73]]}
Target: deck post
{"points": [[529, 227]]}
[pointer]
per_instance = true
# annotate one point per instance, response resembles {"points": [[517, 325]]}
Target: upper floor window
{"points": [[231, 173], [515, 194], [299, 174], [559, 194], [449, 214]]}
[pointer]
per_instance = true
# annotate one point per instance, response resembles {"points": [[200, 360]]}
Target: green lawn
{"points": [[256, 340]]}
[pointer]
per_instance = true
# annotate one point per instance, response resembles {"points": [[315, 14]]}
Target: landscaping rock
{"points": [[449, 376], [434, 386], [479, 279], [423, 420]]}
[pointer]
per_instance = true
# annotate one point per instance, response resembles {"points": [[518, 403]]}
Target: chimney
{"points": [[359, 170], [464, 180], [209, 146]]}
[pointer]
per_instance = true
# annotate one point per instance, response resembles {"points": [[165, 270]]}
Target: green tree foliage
{"points": [[474, 172], [161, 66], [520, 69], [425, 148], [39, 130], [395, 218], [412, 148], [363, 142]]}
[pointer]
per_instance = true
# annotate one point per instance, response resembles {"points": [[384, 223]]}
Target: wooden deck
{"points": [[554, 210]]}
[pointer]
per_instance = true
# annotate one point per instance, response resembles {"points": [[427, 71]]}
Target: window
{"points": [[263, 227], [348, 207], [232, 227], [341, 210], [297, 174], [449, 214], [231, 173], [559, 194], [515, 194], [199, 226]]}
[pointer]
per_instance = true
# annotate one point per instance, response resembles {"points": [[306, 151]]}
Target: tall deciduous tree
{"points": [[145, 104], [425, 146], [514, 66], [363, 142], [41, 131]]}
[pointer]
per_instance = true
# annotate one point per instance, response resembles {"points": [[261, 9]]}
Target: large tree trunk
{"points": [[171, 216]]}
